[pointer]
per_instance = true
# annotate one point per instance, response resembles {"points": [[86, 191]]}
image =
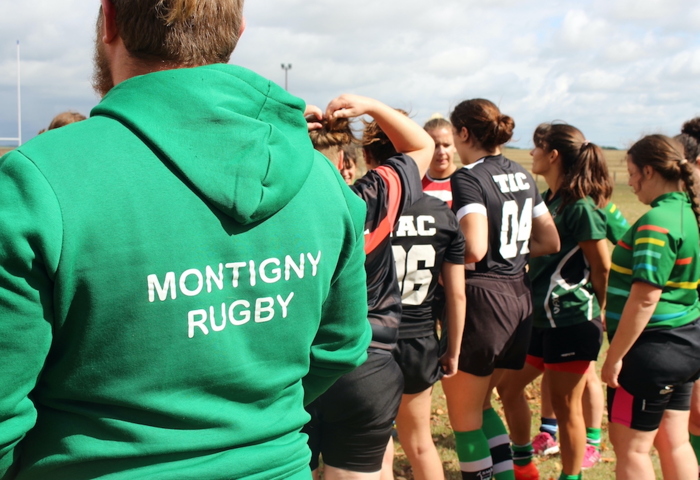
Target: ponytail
{"points": [[583, 163]]}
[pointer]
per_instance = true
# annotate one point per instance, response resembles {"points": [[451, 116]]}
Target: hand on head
{"points": [[313, 116], [349, 106]]}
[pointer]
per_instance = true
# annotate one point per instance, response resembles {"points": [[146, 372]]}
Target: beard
{"points": [[102, 73]]}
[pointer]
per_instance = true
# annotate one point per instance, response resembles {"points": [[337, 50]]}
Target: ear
{"points": [[647, 171], [109, 22], [463, 134], [242, 29], [341, 160], [554, 155]]}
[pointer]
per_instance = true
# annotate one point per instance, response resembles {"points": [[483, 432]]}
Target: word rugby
{"points": [[196, 282]]}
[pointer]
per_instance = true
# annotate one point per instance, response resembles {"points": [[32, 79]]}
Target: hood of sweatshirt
{"points": [[240, 140]]}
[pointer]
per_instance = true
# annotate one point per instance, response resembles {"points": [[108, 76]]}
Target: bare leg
{"points": [[413, 425], [593, 399], [677, 458], [333, 473], [694, 423], [466, 394], [388, 462], [632, 451], [546, 398], [511, 388], [566, 392]]}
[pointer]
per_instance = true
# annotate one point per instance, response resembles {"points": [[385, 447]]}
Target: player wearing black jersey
{"points": [[504, 221], [351, 423], [427, 244]]}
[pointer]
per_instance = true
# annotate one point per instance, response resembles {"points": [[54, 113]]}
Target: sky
{"points": [[616, 69]]}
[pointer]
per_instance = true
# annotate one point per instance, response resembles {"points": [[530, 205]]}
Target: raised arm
{"points": [[406, 135]]}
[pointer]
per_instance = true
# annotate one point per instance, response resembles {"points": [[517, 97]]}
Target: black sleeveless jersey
{"points": [[507, 195], [387, 191], [426, 235]]}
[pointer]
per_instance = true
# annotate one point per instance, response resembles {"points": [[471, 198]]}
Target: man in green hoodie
{"points": [[171, 293]]}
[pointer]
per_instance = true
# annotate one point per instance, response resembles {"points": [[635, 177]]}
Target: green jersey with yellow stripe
{"points": [[661, 249], [617, 224]]}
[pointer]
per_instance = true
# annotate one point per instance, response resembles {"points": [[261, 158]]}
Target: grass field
{"points": [[549, 467]]}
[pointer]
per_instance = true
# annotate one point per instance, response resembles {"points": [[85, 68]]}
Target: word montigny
{"points": [[239, 311]]}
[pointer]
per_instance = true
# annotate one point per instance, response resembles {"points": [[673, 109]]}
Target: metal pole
{"points": [[18, 138], [19, 100], [286, 69]]}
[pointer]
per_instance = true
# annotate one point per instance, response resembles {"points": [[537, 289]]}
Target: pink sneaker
{"points": [[590, 457], [544, 444]]}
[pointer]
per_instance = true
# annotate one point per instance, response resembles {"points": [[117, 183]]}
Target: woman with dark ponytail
{"points": [[652, 316], [690, 139], [504, 222], [568, 293]]}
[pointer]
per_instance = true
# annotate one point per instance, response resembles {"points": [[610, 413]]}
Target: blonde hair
{"points": [[187, 32]]}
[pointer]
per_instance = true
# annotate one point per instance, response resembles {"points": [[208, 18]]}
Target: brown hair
{"points": [[334, 134], [437, 123], [484, 122], [65, 118], [690, 139], [376, 144], [665, 155], [186, 32], [583, 163]]}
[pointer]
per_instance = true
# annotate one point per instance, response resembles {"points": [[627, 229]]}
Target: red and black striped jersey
{"points": [[426, 235], [439, 188], [387, 191], [506, 194]]}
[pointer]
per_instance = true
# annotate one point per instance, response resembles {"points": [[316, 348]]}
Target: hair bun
{"points": [[692, 128]]}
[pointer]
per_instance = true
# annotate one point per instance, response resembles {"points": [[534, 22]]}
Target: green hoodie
{"points": [[179, 274]]}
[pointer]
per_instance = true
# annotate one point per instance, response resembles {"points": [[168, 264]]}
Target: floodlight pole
{"points": [[19, 100], [286, 69], [18, 138]]}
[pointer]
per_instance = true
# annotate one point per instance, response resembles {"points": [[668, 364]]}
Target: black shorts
{"points": [[576, 344], [499, 323], [657, 374], [352, 421], [418, 359]]}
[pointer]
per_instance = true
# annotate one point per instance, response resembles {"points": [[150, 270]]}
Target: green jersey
{"points": [[561, 290], [661, 249], [617, 223]]}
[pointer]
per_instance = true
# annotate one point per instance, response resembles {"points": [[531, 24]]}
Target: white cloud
{"points": [[579, 31], [614, 68]]}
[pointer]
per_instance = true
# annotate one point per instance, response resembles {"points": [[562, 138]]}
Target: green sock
{"points": [[570, 477], [593, 437], [499, 443], [474, 455], [522, 454], [695, 443]]}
